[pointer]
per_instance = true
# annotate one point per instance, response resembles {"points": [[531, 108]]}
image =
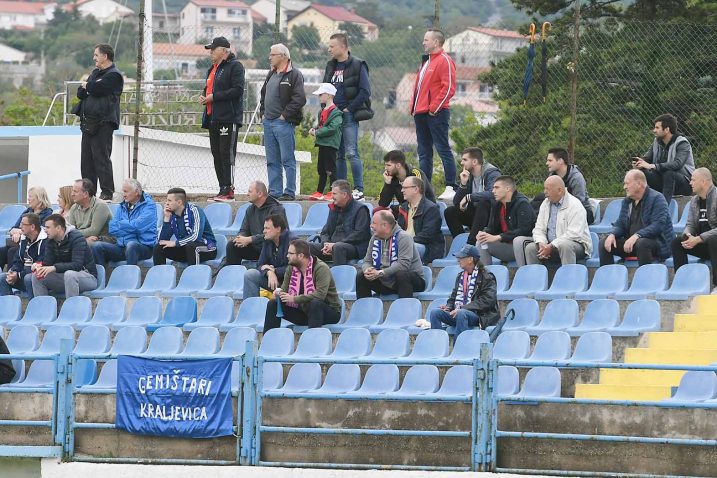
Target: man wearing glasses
{"points": [[31, 251], [421, 218]]}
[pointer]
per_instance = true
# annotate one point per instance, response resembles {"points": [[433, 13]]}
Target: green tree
{"points": [[25, 109], [305, 37], [353, 32]]}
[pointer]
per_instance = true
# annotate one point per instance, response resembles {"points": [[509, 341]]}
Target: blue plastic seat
{"points": [[512, 345], [219, 214], [430, 344], [594, 260], [51, 340], [123, 278], [23, 339], [444, 226], [502, 276], [391, 343], [467, 345], [679, 226], [607, 281], [612, 212], [107, 378], [647, 281], [303, 377], [202, 341], [353, 343], [131, 340], [221, 252], [379, 380], [250, 314], [695, 386], [40, 310], [294, 211], [674, 211], [600, 315], [508, 381], [235, 341], [272, 376], [94, 339], [74, 310], [365, 312], [528, 280], [158, 279], [541, 382], [9, 216], [316, 342], [595, 205], [419, 380], [217, 311], [450, 260], [10, 309], [443, 287], [145, 311], [559, 314], [458, 382], [109, 311], [194, 278], [114, 208], [234, 227], [165, 341], [344, 278], [341, 378], [401, 314], [277, 342], [593, 347], [229, 282], [689, 280], [569, 279], [527, 314], [179, 311], [550, 346], [40, 375], [640, 316], [315, 220]]}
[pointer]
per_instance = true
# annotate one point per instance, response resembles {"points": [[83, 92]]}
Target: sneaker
{"points": [[105, 196], [447, 194], [228, 196], [358, 195], [714, 291], [317, 196], [329, 196], [286, 197], [222, 192]]}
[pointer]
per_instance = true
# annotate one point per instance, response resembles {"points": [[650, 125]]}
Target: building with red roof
{"points": [[329, 20]]}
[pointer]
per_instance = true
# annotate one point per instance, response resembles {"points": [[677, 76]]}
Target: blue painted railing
{"points": [[18, 176]]}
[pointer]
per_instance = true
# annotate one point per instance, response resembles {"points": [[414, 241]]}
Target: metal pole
{"points": [[574, 83], [437, 14], [277, 22], [138, 89]]}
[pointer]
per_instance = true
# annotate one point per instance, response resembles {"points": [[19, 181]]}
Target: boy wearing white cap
{"points": [[328, 139]]}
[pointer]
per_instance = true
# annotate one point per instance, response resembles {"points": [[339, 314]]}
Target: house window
{"points": [[161, 24], [236, 12], [182, 15], [185, 68], [182, 31], [460, 89], [236, 32], [209, 32], [486, 91], [209, 13]]}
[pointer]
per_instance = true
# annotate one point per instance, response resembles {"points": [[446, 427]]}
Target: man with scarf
{"points": [[308, 294], [185, 221], [392, 264], [474, 300]]}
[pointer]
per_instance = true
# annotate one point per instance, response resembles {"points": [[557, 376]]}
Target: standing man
{"points": [[32, 250], [282, 98], [223, 100], [421, 218], [353, 97], [89, 216], [99, 113], [668, 164], [273, 260], [432, 93]]}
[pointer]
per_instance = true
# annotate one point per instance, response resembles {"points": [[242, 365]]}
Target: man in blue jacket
{"points": [[194, 240], [644, 228], [30, 251], [134, 226], [270, 269]]}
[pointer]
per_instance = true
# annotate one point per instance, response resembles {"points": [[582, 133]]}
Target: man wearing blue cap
{"points": [[474, 300]]}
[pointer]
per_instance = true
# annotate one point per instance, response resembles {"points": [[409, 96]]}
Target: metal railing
{"points": [[18, 176]]}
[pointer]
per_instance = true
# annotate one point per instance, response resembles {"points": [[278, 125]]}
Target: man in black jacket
{"points": [[353, 96], [30, 251], [99, 113], [68, 266], [395, 170], [347, 230], [270, 268], [421, 218], [282, 98], [222, 98], [7, 371]]}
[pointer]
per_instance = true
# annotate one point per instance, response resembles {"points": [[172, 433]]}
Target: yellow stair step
{"points": [[682, 340], [635, 377], [672, 357], [695, 323], [621, 392], [706, 304]]}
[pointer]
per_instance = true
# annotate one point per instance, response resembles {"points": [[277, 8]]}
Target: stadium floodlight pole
{"points": [[277, 22], [138, 89], [437, 14], [572, 131]]}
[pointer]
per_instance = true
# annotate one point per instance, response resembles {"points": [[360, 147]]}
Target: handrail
{"points": [[52, 103], [17, 176]]}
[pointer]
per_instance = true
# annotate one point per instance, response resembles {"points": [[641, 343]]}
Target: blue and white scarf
{"points": [[191, 220], [468, 281], [377, 251]]}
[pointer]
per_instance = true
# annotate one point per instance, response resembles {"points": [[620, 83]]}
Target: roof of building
{"points": [[338, 14], [179, 49], [37, 8], [469, 72], [257, 17], [494, 32]]}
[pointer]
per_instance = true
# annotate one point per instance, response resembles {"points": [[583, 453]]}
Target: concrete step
{"points": [[672, 357], [622, 392], [706, 304], [633, 377], [681, 340], [695, 323]]}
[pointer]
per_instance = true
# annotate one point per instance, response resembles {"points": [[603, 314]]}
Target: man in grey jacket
{"points": [[668, 164], [700, 235], [392, 263]]}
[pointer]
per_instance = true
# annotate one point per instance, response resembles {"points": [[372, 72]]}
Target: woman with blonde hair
{"points": [[64, 200], [38, 203]]}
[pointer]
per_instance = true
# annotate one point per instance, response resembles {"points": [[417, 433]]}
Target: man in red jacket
{"points": [[432, 93]]}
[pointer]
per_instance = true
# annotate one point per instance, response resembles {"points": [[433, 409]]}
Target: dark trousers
{"points": [[319, 314], [326, 167], [703, 250], [6, 374], [237, 254], [95, 163], [668, 183], [341, 254], [7, 255], [406, 284], [475, 217], [646, 250], [433, 131], [223, 143], [191, 253]]}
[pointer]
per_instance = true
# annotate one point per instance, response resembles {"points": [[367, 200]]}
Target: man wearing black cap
{"points": [[223, 108]]}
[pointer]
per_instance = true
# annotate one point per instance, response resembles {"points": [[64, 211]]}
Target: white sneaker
{"points": [[447, 194], [714, 291], [357, 195]]}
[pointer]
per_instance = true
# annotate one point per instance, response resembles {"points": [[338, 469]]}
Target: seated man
{"points": [[511, 216], [395, 170], [700, 235], [559, 164], [561, 232], [392, 264], [308, 294], [247, 244], [472, 202], [37, 203], [474, 300], [668, 164], [346, 232], [67, 266], [421, 218], [644, 227], [185, 221], [89, 215], [273, 260], [32, 250], [134, 227]]}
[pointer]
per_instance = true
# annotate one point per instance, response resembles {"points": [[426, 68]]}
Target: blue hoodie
{"points": [[137, 225]]}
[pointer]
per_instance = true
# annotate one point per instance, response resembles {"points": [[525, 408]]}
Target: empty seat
{"points": [[145, 311], [221, 252], [302, 377], [10, 309], [353, 343], [74, 310], [277, 342], [541, 382], [202, 341], [218, 214], [647, 281], [600, 314], [467, 345], [391, 343], [502, 276], [450, 260], [272, 376], [458, 382], [612, 212], [158, 279], [419, 380], [250, 314], [593, 347], [179, 311], [674, 211], [607, 281], [315, 220], [40, 375], [341, 378], [53, 336], [443, 287], [109, 311], [559, 314], [402, 313], [294, 211], [229, 282], [527, 314], [430, 344], [94, 339], [365, 312], [165, 341], [234, 227], [217, 311], [23, 339], [594, 260], [528, 280], [508, 381], [379, 379], [235, 341], [9, 216], [123, 278], [129, 340], [689, 280], [194, 278], [640, 316], [569, 279], [679, 226], [512, 345], [316, 342], [40, 310], [552, 346], [344, 278], [695, 386]]}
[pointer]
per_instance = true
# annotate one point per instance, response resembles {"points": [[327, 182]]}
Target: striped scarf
{"points": [[294, 281], [377, 251], [467, 282]]}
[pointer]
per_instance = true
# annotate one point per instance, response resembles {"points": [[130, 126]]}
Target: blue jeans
{"points": [[464, 320], [134, 252], [280, 143], [349, 150], [421, 248], [25, 285], [433, 131]]}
